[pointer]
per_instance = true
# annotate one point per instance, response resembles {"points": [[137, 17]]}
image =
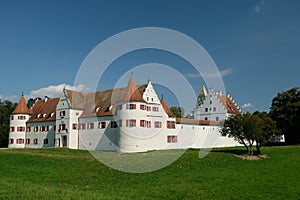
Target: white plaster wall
{"points": [[17, 134], [99, 139], [41, 135], [220, 112]]}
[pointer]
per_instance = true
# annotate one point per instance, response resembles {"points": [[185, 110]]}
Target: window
{"points": [[113, 124], [119, 107], [91, 125], [28, 129], [217, 118], [62, 127], [21, 128], [74, 126], [46, 141], [147, 98], [101, 125], [130, 123], [47, 128], [148, 124], [131, 106], [172, 138], [157, 124], [20, 141], [142, 123], [155, 109], [22, 117], [142, 107], [62, 113], [12, 117], [11, 141], [214, 109], [27, 141], [83, 126], [43, 128], [36, 129], [120, 123], [148, 108], [12, 129], [206, 109], [205, 118], [171, 124], [35, 141], [210, 102]]}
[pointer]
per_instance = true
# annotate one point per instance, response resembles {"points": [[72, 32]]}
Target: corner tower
{"points": [[18, 119]]}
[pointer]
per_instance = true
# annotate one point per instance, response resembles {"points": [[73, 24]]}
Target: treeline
{"points": [[6, 108]]}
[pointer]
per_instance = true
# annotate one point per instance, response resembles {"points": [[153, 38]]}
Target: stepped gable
{"points": [[44, 110], [132, 94], [22, 107], [101, 103], [228, 104], [166, 108]]}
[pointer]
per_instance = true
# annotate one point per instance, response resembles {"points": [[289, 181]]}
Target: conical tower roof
{"points": [[131, 92], [21, 107]]}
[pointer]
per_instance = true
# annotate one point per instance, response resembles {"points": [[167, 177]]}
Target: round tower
{"points": [[17, 130]]}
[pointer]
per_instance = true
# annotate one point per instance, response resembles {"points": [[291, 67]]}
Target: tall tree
{"points": [[177, 111], [285, 110], [6, 108]]}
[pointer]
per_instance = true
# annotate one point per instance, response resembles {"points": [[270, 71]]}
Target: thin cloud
{"points": [[259, 7], [55, 90], [223, 73], [10, 97], [247, 105]]}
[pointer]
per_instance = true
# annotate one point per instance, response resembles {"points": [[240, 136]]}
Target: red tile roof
{"points": [[131, 93], [105, 100], [22, 107], [228, 104], [196, 122], [166, 108], [44, 111]]}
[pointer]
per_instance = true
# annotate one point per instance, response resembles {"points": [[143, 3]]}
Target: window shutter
{"points": [[134, 106], [127, 106], [126, 122], [134, 123], [22, 141]]}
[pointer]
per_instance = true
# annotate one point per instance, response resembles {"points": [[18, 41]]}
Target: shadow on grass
{"points": [[231, 151]]}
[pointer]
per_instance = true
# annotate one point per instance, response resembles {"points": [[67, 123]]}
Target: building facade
{"points": [[129, 119]]}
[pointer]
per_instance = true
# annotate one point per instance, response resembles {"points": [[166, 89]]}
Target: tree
{"points": [[6, 108], [267, 129], [249, 128], [285, 110], [177, 111], [32, 101]]}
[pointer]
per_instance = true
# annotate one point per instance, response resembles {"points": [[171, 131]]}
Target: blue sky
{"points": [[255, 44]]}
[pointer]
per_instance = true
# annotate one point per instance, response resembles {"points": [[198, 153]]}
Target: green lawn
{"points": [[73, 174]]}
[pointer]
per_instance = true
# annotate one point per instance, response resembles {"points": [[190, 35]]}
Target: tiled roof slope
{"points": [[105, 100], [132, 93], [21, 107], [44, 110], [196, 122], [228, 104], [166, 108]]}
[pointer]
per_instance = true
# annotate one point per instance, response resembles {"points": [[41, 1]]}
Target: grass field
{"points": [[75, 174]]}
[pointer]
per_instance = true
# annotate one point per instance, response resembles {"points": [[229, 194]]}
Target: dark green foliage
{"points": [[177, 111], [249, 128], [285, 110], [31, 101], [6, 108]]}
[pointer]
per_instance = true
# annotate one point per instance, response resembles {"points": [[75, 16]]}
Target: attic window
{"points": [[44, 115], [52, 114], [97, 109], [38, 116]]}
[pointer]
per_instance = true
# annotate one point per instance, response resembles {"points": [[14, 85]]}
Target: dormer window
{"points": [[97, 109], [44, 115]]}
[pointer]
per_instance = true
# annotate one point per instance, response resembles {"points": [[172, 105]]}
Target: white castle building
{"points": [[129, 119]]}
